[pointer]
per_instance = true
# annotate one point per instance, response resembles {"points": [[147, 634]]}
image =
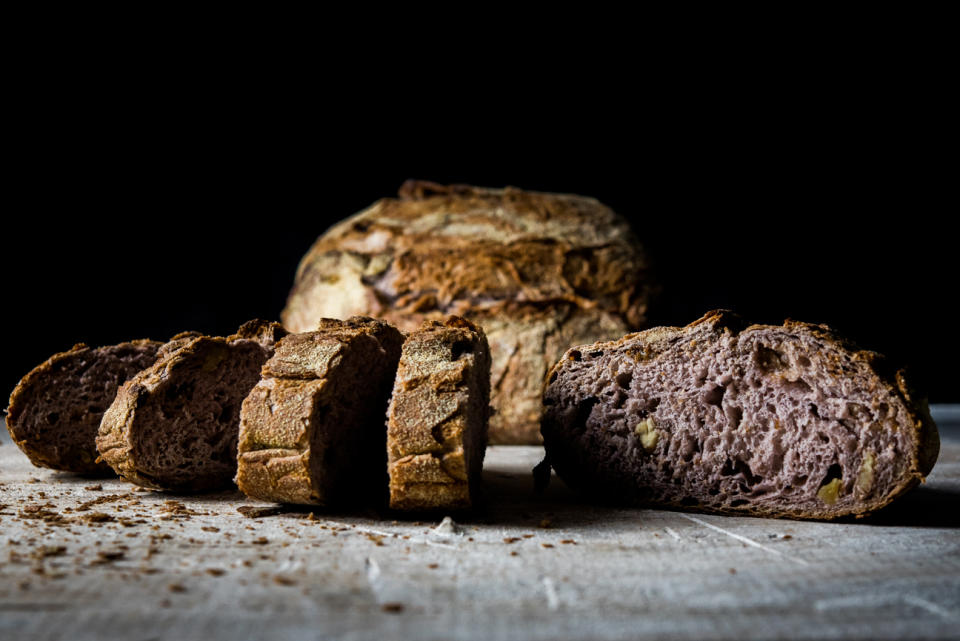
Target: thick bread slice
{"points": [[174, 425], [55, 410], [311, 431], [437, 422], [784, 421]]}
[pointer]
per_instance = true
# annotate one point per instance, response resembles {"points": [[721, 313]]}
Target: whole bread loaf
{"points": [[312, 430], [55, 410], [174, 425], [539, 272], [437, 421], [784, 421]]}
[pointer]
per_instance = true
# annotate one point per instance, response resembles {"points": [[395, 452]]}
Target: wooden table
{"points": [[82, 559]]}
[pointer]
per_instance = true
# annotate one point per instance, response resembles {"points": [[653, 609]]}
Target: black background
{"points": [[143, 204]]}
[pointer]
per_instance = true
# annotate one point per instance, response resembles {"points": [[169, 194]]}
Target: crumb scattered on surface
{"points": [[256, 512], [393, 607]]}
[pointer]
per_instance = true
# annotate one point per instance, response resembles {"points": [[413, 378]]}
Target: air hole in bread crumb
{"points": [[624, 379], [575, 355]]}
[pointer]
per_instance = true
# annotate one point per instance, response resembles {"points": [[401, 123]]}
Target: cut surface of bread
{"points": [[55, 410], [311, 431], [174, 425], [437, 421], [785, 421]]}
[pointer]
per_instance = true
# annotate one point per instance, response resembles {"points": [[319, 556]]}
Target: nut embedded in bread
{"points": [[783, 421], [312, 431], [437, 421], [539, 272], [55, 410], [174, 425]]}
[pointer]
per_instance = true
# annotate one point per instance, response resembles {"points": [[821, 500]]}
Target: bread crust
{"points": [[80, 458], [282, 448], [120, 431], [650, 344], [438, 416], [537, 271]]}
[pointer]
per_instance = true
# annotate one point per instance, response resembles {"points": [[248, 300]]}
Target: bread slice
{"points": [[174, 425], [437, 421], [312, 431], [55, 410], [783, 421]]}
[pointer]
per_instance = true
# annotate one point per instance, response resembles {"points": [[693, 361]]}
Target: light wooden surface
{"points": [[528, 567]]}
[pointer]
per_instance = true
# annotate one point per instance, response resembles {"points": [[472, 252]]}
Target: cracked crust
{"points": [[891, 384], [437, 421], [537, 271], [125, 440], [311, 431]]}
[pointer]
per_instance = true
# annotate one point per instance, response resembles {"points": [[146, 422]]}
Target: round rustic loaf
{"points": [[539, 272]]}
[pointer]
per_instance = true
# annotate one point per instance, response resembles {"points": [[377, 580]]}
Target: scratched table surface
{"points": [[98, 559]]}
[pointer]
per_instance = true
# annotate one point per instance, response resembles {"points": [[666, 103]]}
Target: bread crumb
{"points": [[510, 539], [393, 607], [216, 571], [283, 580], [546, 545], [568, 542], [176, 587], [260, 541], [433, 566]]}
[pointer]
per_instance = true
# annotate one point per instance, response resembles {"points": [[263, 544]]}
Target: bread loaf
{"points": [[55, 410], [174, 425], [312, 430], [539, 272], [784, 421], [437, 421]]}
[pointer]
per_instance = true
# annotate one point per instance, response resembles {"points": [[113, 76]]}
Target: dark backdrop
{"points": [[160, 213]]}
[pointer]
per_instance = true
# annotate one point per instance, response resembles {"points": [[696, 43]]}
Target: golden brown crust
{"points": [[81, 458], [538, 271], [650, 343], [437, 421], [283, 443]]}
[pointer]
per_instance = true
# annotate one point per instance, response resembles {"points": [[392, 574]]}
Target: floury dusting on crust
{"points": [[539, 272], [770, 420]]}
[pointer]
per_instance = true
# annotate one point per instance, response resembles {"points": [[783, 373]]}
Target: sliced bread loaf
{"points": [[785, 421], [55, 410], [312, 431], [174, 425], [437, 421]]}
